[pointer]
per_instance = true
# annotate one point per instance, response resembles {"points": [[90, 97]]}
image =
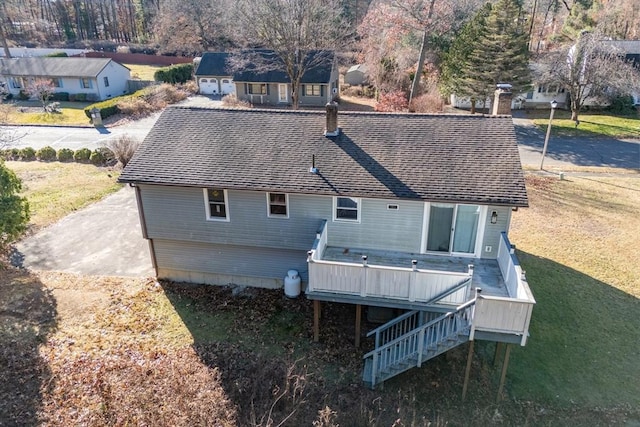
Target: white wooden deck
{"points": [[486, 273]]}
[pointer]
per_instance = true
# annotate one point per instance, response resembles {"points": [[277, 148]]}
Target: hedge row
{"points": [[99, 156], [179, 73], [109, 107]]}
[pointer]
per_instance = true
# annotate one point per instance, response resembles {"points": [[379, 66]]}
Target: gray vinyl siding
{"points": [[179, 213], [270, 98], [318, 101], [381, 228], [229, 260], [492, 231]]}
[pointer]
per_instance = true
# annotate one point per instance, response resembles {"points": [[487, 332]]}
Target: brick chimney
{"points": [[502, 100], [332, 128]]}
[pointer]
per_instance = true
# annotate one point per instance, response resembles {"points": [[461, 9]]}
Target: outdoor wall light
{"points": [[494, 217]]}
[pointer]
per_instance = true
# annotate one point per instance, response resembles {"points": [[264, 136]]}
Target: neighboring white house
{"points": [[96, 78]]}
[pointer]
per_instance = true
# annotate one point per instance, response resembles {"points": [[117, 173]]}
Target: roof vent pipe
{"points": [[332, 128]]}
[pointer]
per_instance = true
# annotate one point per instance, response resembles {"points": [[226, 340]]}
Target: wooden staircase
{"points": [[413, 338]]}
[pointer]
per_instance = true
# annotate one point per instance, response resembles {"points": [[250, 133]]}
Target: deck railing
{"points": [[507, 315], [367, 280]]}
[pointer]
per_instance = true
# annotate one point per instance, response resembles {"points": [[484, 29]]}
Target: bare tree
{"points": [[591, 68], [301, 34], [43, 90]]}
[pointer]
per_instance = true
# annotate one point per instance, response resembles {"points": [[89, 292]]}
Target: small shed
{"points": [[356, 75]]}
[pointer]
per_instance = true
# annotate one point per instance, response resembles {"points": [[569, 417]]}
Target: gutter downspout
{"points": [[143, 225]]}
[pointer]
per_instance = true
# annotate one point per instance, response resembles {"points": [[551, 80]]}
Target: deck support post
{"points": [[503, 376], [467, 371], [316, 320], [358, 324], [496, 355]]}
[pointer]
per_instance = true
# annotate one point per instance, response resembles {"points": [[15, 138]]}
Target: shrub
{"points": [[190, 87], [15, 209], [179, 73], [80, 97], [123, 148], [167, 93], [622, 105], [23, 96], [107, 108], [82, 155], [57, 55], [65, 155], [232, 100], [135, 107], [392, 101], [10, 154], [27, 153], [46, 154], [101, 156], [60, 96], [430, 102]]}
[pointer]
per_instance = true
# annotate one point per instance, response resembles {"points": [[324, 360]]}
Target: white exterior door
{"points": [[227, 86], [208, 86], [283, 93]]}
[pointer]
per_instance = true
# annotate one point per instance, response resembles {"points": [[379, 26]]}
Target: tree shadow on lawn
{"points": [[261, 342], [27, 315], [583, 351]]}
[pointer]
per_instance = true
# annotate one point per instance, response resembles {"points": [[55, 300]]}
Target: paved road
{"points": [[78, 137], [572, 151]]}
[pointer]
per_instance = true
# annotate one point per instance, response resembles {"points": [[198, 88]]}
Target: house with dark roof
{"points": [[379, 210], [264, 81], [92, 78], [213, 74]]}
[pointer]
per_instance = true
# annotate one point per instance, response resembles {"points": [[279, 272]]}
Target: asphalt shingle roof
{"points": [[447, 158], [213, 64], [53, 67], [319, 72]]}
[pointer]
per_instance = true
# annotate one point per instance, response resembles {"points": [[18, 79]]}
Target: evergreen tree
{"points": [[14, 210], [493, 48]]}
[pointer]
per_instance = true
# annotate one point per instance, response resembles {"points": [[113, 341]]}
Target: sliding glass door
{"points": [[452, 228]]}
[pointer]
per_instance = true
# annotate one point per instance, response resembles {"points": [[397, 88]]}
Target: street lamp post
{"points": [[554, 105]]}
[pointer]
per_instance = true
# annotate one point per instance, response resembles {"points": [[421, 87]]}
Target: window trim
{"points": [[83, 86], [207, 205], [16, 83], [269, 204], [358, 210]]}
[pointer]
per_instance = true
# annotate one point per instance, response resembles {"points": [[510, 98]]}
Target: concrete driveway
{"points": [[103, 239]]}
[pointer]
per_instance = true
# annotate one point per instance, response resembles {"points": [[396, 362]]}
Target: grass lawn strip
{"points": [[56, 189], [592, 125], [576, 244]]}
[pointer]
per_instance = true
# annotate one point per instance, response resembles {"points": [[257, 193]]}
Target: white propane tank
{"points": [[292, 284]]}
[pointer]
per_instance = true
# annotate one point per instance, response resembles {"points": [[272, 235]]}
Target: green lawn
{"points": [[31, 113], [143, 72], [577, 243], [592, 125], [56, 189]]}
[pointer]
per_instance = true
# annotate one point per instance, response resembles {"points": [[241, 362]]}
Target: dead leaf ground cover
{"points": [[113, 351]]}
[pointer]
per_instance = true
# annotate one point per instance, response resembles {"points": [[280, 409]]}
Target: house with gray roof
{"points": [[213, 74], [262, 80], [93, 79], [379, 210]]}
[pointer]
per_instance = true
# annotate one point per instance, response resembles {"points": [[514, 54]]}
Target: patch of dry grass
{"points": [[56, 189]]}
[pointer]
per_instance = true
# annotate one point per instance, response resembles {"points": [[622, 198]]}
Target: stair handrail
{"points": [[417, 331], [462, 283]]}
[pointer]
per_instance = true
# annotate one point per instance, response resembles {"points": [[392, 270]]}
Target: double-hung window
{"points": [[346, 209], [313, 90], [106, 81], [216, 205], [277, 205], [85, 83], [257, 88]]}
